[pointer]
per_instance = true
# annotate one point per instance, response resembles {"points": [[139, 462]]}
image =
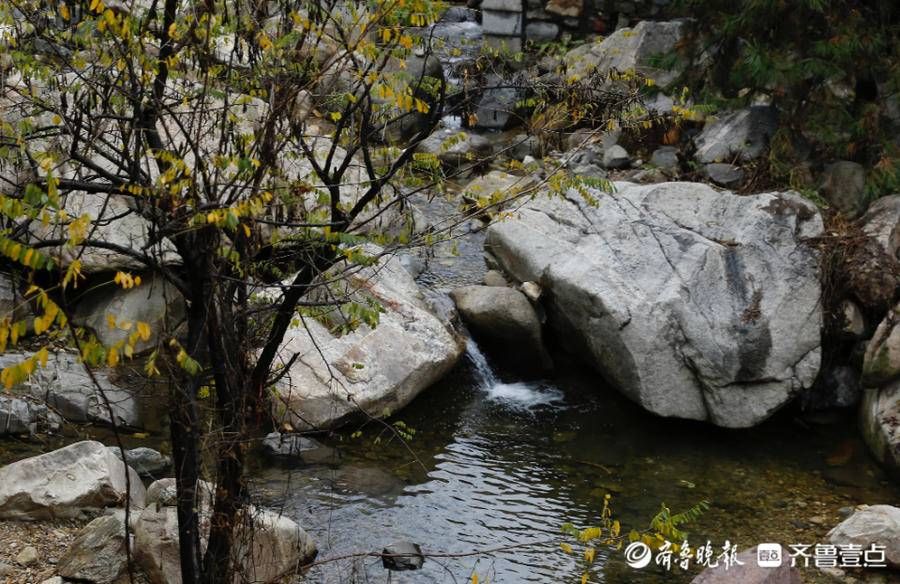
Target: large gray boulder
{"points": [[880, 423], [65, 387], [875, 524], [738, 136], [507, 321], [72, 482], [696, 304], [97, 554], [154, 302], [267, 545], [368, 371], [632, 49]]}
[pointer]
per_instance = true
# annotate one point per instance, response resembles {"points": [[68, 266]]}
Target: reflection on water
{"points": [[497, 463]]}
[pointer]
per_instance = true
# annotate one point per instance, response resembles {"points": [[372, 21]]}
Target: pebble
{"points": [[27, 556], [5, 569]]}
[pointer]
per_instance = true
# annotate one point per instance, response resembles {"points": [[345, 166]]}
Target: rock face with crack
{"points": [[695, 303]]}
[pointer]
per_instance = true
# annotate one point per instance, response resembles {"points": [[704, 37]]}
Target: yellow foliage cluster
{"points": [[126, 280]]}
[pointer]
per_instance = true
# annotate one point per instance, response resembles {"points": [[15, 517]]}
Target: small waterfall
{"points": [[484, 374], [522, 395]]}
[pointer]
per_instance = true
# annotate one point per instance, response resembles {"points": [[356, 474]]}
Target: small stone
{"points": [[402, 556], [53, 580], [616, 157], [541, 32], [495, 278], [741, 135], [531, 290], [5, 569], [288, 444], [854, 321], [565, 7], [27, 556], [723, 174], [665, 159], [843, 185]]}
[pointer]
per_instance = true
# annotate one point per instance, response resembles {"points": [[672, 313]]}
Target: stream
{"points": [[497, 462]]}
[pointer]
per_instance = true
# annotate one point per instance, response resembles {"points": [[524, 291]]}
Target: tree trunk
{"points": [[231, 374]]}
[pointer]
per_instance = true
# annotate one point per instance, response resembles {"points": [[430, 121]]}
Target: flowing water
{"points": [[496, 463]]}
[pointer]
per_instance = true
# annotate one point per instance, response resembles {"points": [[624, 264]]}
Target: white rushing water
{"points": [[521, 394]]}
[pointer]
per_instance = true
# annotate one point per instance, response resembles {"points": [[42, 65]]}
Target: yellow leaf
{"points": [[589, 555], [566, 548], [584, 578], [64, 12], [143, 330], [112, 357]]}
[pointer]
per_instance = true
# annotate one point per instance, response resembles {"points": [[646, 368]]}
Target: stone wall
{"points": [[507, 23]]}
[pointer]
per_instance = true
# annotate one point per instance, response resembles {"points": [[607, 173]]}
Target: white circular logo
{"points": [[638, 554]]}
